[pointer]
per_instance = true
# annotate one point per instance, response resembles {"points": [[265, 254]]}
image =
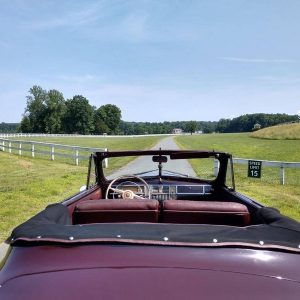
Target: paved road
{"points": [[145, 163]]}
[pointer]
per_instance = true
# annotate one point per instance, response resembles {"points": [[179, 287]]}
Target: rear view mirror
{"points": [[159, 158]]}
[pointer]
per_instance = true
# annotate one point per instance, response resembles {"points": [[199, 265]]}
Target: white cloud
{"points": [[80, 78], [279, 80], [257, 60], [70, 17]]}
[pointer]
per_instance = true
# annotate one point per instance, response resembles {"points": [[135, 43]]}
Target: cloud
{"points": [[257, 60], [279, 80], [80, 78], [69, 17], [111, 21]]}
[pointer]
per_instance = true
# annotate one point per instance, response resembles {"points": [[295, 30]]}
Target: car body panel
{"points": [[108, 271]]}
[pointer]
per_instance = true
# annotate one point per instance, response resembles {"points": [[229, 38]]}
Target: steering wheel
{"points": [[128, 194]]}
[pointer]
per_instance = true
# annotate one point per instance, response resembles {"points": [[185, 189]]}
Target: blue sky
{"points": [[158, 60]]}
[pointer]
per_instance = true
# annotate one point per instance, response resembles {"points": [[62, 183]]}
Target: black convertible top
{"points": [[53, 225]]}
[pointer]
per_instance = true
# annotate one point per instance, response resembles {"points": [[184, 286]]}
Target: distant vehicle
{"points": [[154, 234]]}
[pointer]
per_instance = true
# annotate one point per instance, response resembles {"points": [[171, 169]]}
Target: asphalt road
{"points": [[142, 164]]}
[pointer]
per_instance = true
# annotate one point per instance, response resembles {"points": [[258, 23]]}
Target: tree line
{"points": [[9, 127], [49, 112], [244, 123], [128, 128], [250, 122]]}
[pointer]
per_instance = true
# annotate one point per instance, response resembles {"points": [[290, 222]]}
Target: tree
{"points": [[25, 125], [36, 108], [191, 127], [79, 116], [54, 112], [108, 118], [9, 127], [100, 126]]}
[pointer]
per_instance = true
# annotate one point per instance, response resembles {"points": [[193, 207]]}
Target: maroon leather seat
{"points": [[205, 212], [116, 210]]}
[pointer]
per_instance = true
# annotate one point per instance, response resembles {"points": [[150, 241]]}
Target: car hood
{"points": [[144, 272]]}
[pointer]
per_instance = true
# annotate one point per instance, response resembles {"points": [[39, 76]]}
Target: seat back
{"points": [[205, 212], [116, 210]]}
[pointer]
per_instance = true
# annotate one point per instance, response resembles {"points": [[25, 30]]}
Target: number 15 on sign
{"points": [[254, 168]]}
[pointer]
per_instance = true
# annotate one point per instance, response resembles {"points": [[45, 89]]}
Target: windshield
{"points": [[203, 168]]}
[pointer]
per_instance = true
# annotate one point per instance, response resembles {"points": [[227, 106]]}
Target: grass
{"points": [[279, 132], [112, 143], [266, 190], [28, 184], [243, 146]]}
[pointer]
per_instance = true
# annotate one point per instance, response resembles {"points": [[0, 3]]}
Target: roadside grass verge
{"points": [[279, 132], [111, 143], [266, 190], [28, 184]]}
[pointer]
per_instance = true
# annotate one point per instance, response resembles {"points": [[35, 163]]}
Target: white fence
{"points": [[49, 149], [19, 146], [265, 163], [16, 135], [277, 164]]}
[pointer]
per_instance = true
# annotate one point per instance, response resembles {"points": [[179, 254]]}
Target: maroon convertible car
{"points": [[155, 233]]}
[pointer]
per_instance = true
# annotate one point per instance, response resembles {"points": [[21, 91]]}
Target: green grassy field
{"points": [[28, 184], [279, 132], [112, 143], [266, 190]]}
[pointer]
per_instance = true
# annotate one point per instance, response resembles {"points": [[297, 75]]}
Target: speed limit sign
{"points": [[254, 168]]}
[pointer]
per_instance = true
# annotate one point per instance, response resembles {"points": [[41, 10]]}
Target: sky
{"points": [[157, 60]]}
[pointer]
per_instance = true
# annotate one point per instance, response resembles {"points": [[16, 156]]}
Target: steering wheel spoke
{"points": [[126, 193]]}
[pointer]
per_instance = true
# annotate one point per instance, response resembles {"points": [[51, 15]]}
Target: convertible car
{"points": [[153, 230]]}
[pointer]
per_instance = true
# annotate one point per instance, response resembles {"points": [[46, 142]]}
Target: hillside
{"points": [[279, 132]]}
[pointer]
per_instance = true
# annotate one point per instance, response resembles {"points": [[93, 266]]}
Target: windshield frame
{"points": [[222, 157]]}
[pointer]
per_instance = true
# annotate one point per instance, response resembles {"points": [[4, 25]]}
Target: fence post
{"points": [[3, 146], [105, 160], [216, 167], [52, 152], [9, 147], [32, 150], [20, 149], [282, 175], [76, 157]]}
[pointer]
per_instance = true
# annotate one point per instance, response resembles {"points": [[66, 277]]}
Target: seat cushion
{"points": [[205, 212], [116, 210]]}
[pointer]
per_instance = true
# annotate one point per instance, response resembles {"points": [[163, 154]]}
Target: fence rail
{"points": [[281, 165], [50, 149], [16, 135], [18, 146]]}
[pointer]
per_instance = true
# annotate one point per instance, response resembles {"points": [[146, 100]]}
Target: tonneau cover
{"points": [[53, 225]]}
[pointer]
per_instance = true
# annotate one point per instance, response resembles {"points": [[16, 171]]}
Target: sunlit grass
{"points": [[266, 190], [109, 143], [28, 184], [279, 132]]}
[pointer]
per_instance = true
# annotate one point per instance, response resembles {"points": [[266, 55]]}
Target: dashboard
{"points": [[165, 191]]}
